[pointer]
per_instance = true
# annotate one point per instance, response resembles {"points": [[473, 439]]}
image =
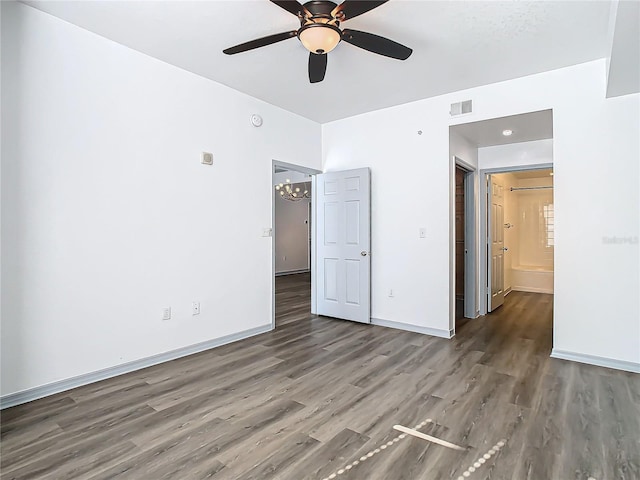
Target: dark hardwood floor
{"points": [[293, 298], [318, 398]]}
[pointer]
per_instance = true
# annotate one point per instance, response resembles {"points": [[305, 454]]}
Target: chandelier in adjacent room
{"points": [[293, 192]]}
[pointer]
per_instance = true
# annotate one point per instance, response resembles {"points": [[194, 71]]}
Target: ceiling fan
{"points": [[320, 32]]}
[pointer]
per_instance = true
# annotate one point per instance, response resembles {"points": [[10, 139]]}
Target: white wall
{"points": [[537, 152], [596, 151], [107, 213], [623, 61], [511, 237], [463, 149], [291, 235], [291, 229], [533, 247]]}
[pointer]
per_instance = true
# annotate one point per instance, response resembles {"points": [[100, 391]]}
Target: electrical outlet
{"points": [[195, 308], [166, 313]]}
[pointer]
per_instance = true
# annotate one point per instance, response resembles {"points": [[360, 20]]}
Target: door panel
{"points": [[353, 282], [343, 250], [352, 225], [330, 280], [496, 242]]}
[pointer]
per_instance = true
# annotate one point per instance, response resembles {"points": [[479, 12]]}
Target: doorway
{"points": [[520, 232], [464, 238], [506, 144], [462, 254], [292, 232]]}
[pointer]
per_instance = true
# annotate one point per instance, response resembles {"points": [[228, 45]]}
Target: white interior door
{"points": [[496, 242], [343, 245]]}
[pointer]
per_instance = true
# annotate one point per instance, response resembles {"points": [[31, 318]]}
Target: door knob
{"points": [[505, 249], [364, 253]]}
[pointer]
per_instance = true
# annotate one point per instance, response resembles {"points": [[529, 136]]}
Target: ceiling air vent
{"points": [[460, 108]]}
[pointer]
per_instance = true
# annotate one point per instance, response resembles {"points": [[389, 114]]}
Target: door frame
{"points": [[470, 241], [484, 280], [300, 169]]}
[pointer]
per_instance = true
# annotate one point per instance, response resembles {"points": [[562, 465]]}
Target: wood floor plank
{"points": [[317, 394]]}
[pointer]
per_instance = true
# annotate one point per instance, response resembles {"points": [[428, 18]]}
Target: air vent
{"points": [[460, 108]]}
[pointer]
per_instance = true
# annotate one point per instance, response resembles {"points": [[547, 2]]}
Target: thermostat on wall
{"points": [[206, 158], [256, 120]]}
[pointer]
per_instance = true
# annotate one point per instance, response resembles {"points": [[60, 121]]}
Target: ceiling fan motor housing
{"points": [[320, 8], [319, 30]]}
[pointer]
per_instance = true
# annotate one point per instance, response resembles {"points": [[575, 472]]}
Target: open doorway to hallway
{"points": [[510, 155], [292, 242]]}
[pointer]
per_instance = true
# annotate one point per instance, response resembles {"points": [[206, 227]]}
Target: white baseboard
{"points": [[34, 393], [532, 289], [292, 272], [436, 332], [595, 360]]}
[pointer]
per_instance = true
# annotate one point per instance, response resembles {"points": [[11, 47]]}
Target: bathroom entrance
{"points": [[520, 233]]}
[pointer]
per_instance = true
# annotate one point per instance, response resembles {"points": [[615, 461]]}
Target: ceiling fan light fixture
{"points": [[319, 37]]}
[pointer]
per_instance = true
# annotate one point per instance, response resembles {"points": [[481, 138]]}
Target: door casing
{"points": [[470, 235], [483, 276], [495, 241]]}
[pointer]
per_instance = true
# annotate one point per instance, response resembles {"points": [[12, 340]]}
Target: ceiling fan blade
{"points": [[352, 8], [291, 6], [317, 67], [260, 42], [376, 44]]}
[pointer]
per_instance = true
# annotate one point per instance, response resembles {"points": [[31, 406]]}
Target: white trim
{"points": [[470, 258], [34, 393], [314, 267], [435, 332], [596, 360], [516, 288]]}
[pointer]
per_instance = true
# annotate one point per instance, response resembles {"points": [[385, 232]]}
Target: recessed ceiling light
{"points": [[507, 132]]}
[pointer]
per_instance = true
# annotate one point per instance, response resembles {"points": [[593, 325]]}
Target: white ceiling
{"points": [[457, 45], [526, 127]]}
